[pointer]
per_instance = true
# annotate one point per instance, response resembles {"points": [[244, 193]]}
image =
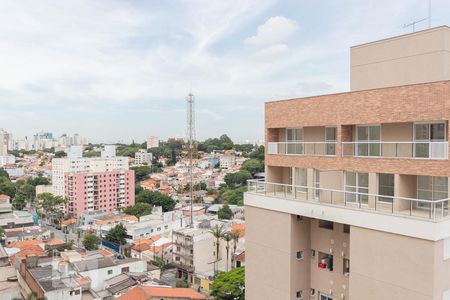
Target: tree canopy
{"points": [[253, 166], [229, 285], [156, 199], [139, 209], [225, 212], [237, 179], [117, 235], [91, 242], [211, 144], [141, 172]]}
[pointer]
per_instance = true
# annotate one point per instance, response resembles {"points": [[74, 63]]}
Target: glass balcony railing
{"points": [[399, 206], [416, 150], [303, 148]]}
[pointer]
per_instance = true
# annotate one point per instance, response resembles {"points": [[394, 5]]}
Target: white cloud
{"points": [[275, 30], [273, 51]]}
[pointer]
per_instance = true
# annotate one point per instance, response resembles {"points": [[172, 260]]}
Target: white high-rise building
{"points": [[76, 163], [109, 151], [152, 142], [5, 140], [142, 157]]}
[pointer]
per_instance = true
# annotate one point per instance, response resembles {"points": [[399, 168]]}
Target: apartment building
{"points": [[75, 163], [98, 191], [152, 142], [355, 200], [194, 253], [142, 157]]}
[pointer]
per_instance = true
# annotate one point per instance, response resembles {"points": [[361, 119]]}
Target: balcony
{"points": [[303, 148], [399, 206], [411, 150]]}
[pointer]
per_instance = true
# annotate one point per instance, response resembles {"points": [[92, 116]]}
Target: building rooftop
{"points": [[148, 292], [100, 263]]}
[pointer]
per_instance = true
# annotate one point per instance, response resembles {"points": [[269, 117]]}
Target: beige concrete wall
{"points": [[413, 58], [314, 134], [384, 267], [397, 132], [334, 242], [441, 271], [407, 188], [272, 270]]}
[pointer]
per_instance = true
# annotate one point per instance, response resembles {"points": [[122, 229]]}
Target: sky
{"points": [[117, 71]]}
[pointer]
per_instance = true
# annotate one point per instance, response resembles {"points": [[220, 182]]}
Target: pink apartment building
{"points": [[98, 191]]}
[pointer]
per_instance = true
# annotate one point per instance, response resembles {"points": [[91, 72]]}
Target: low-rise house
{"points": [[99, 270], [16, 219], [5, 205], [26, 233], [158, 293]]}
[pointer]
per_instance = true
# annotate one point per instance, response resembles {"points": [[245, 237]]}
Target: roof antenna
{"points": [[429, 13], [413, 24]]}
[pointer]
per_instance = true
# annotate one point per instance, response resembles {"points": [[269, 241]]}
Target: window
{"points": [[325, 261], [346, 228], [324, 296], [431, 188], [312, 292], [299, 295], [368, 138], [357, 186], [300, 178], [313, 253], [110, 272], [125, 269], [346, 270], [386, 187], [330, 139], [424, 133], [300, 255], [294, 139], [326, 224], [294, 134], [177, 258], [316, 183]]}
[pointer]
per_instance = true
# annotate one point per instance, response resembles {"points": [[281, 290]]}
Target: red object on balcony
{"points": [[322, 266]]}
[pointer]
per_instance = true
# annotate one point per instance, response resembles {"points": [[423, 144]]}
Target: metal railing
{"points": [[417, 150], [303, 148], [400, 206]]}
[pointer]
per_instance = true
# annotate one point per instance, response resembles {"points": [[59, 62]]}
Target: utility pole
{"points": [[190, 136]]}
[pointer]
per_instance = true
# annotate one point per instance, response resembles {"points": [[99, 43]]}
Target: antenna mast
{"points": [[190, 137]]}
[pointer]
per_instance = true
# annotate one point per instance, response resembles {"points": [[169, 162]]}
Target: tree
{"points": [[232, 195], [91, 242], [229, 285], [156, 199], [39, 180], [235, 235], [52, 204], [253, 166], [238, 178], [258, 153], [19, 202], [27, 191], [141, 172], [7, 187], [225, 212], [3, 173], [139, 209], [217, 231], [117, 235], [227, 237], [60, 154]]}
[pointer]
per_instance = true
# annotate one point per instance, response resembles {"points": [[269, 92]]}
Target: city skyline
{"points": [[118, 71]]}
